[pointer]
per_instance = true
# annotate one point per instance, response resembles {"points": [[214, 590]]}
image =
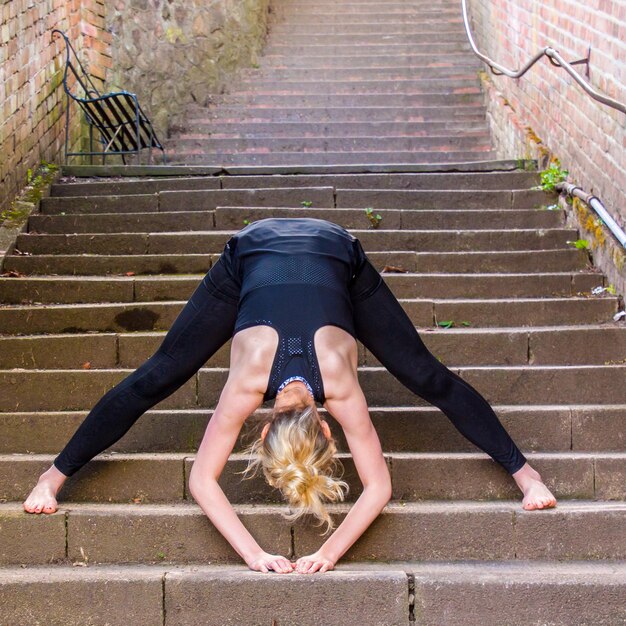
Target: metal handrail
{"points": [[555, 58], [595, 203]]}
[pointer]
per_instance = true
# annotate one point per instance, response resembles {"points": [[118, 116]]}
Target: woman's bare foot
{"points": [[42, 498], [536, 494]]}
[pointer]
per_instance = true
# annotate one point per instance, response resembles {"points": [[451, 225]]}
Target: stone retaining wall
{"points": [[176, 52], [170, 52]]}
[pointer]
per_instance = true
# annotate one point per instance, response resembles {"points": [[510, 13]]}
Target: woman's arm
{"points": [[234, 406], [350, 410]]}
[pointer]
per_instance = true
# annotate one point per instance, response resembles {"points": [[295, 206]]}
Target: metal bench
{"points": [[121, 126]]}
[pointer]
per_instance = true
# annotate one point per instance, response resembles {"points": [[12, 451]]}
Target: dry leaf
{"points": [[395, 269], [87, 365], [130, 273]]}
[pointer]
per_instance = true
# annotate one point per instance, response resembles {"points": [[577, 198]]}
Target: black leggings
{"points": [[207, 322]]}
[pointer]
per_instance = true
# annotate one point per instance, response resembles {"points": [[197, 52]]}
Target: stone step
{"points": [[265, 202], [259, 130], [300, 159], [535, 428], [53, 390], [348, 49], [154, 316], [372, 239], [338, 30], [128, 172], [439, 531], [367, 594], [162, 477], [600, 344], [224, 218], [189, 200], [457, 262], [431, 181], [74, 289], [465, 140], [450, 33], [250, 130], [411, 57], [471, 96], [393, 71], [428, 84], [389, 112], [142, 595]]}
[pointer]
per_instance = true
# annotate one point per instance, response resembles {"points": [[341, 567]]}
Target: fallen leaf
{"points": [[87, 365], [12, 274], [395, 269], [130, 273]]}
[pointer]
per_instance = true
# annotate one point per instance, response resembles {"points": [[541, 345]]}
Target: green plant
{"points": [[552, 175], [451, 323], [246, 222], [374, 218], [307, 204], [579, 243]]}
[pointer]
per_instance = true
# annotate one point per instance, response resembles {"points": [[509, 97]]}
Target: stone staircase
{"points": [[104, 269], [354, 106], [348, 83]]}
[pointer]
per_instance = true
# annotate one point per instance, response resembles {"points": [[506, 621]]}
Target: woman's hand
{"points": [[265, 562], [313, 563]]}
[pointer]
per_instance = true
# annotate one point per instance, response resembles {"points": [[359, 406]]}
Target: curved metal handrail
{"points": [[553, 55]]}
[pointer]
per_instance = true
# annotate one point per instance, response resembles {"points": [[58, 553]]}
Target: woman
{"points": [[296, 293]]}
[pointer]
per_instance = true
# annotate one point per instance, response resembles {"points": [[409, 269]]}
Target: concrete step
{"points": [[263, 202], [372, 239], [53, 390], [439, 531], [338, 30], [208, 129], [535, 428], [75, 289], [393, 71], [586, 591], [162, 477], [338, 48], [412, 57], [388, 112], [322, 159], [457, 262], [437, 180], [450, 33], [426, 84], [464, 96], [152, 316], [414, 218], [599, 344], [142, 595], [188, 200], [455, 594], [459, 141], [128, 172]]}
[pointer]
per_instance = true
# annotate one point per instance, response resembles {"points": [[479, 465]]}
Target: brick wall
{"points": [[545, 113], [32, 124], [168, 52]]}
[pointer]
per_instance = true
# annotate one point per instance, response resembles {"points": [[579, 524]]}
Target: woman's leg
{"points": [[202, 327], [386, 330]]}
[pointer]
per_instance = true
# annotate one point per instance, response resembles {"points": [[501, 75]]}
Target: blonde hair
{"points": [[298, 459]]}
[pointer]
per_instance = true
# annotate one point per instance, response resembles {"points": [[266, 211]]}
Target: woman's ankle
{"points": [[54, 477]]}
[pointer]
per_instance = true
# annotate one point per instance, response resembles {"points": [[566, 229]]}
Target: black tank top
{"points": [[294, 274]]}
